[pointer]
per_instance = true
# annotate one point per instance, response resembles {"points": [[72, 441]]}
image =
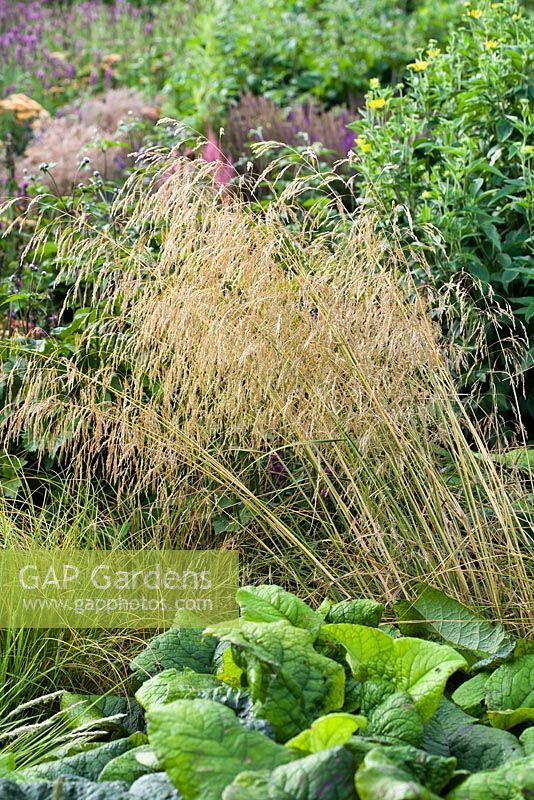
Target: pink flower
{"points": [[212, 152]]}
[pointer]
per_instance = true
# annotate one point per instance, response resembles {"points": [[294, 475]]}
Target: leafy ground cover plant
{"points": [[288, 702], [449, 156]]}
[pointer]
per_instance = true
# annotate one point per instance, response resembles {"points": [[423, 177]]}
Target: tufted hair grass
{"points": [[294, 380]]}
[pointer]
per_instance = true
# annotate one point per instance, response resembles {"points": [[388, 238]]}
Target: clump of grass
{"points": [[34, 662], [300, 378]]}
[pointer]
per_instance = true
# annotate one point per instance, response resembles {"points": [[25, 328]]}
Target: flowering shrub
{"points": [[51, 61], [450, 156]]}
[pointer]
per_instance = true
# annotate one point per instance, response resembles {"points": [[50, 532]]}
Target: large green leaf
{"points": [[513, 781], [172, 685], [402, 773], [88, 764], [7, 765], [202, 747], [477, 747], [81, 709], [396, 720], [510, 693], [328, 775], [434, 772], [527, 741], [331, 730], [126, 766], [154, 787], [177, 648], [419, 668], [271, 603], [522, 457], [433, 614], [439, 730], [290, 683], [65, 788], [356, 612], [471, 694]]}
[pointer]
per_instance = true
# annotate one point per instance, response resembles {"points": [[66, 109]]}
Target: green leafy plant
{"points": [[289, 50], [448, 156], [402, 734]]}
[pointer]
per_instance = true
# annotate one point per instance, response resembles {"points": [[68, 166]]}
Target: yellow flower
{"points": [[433, 52], [491, 44], [363, 144], [374, 83], [516, 17], [419, 66], [377, 103], [476, 13], [528, 149], [426, 195]]}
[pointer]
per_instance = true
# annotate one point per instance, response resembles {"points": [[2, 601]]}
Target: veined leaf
{"points": [[356, 612], [202, 747], [510, 693], [172, 685], [291, 684], [513, 781], [328, 775], [177, 648], [436, 615], [419, 668], [402, 773], [470, 694], [271, 603], [328, 731]]}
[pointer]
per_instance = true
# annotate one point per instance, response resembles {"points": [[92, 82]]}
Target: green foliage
{"points": [[400, 772], [202, 747], [271, 604], [396, 720], [510, 782], [291, 684], [404, 738], [434, 615], [385, 665], [328, 731], [88, 764], [328, 775], [449, 156], [285, 51], [509, 693], [355, 612], [177, 648]]}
